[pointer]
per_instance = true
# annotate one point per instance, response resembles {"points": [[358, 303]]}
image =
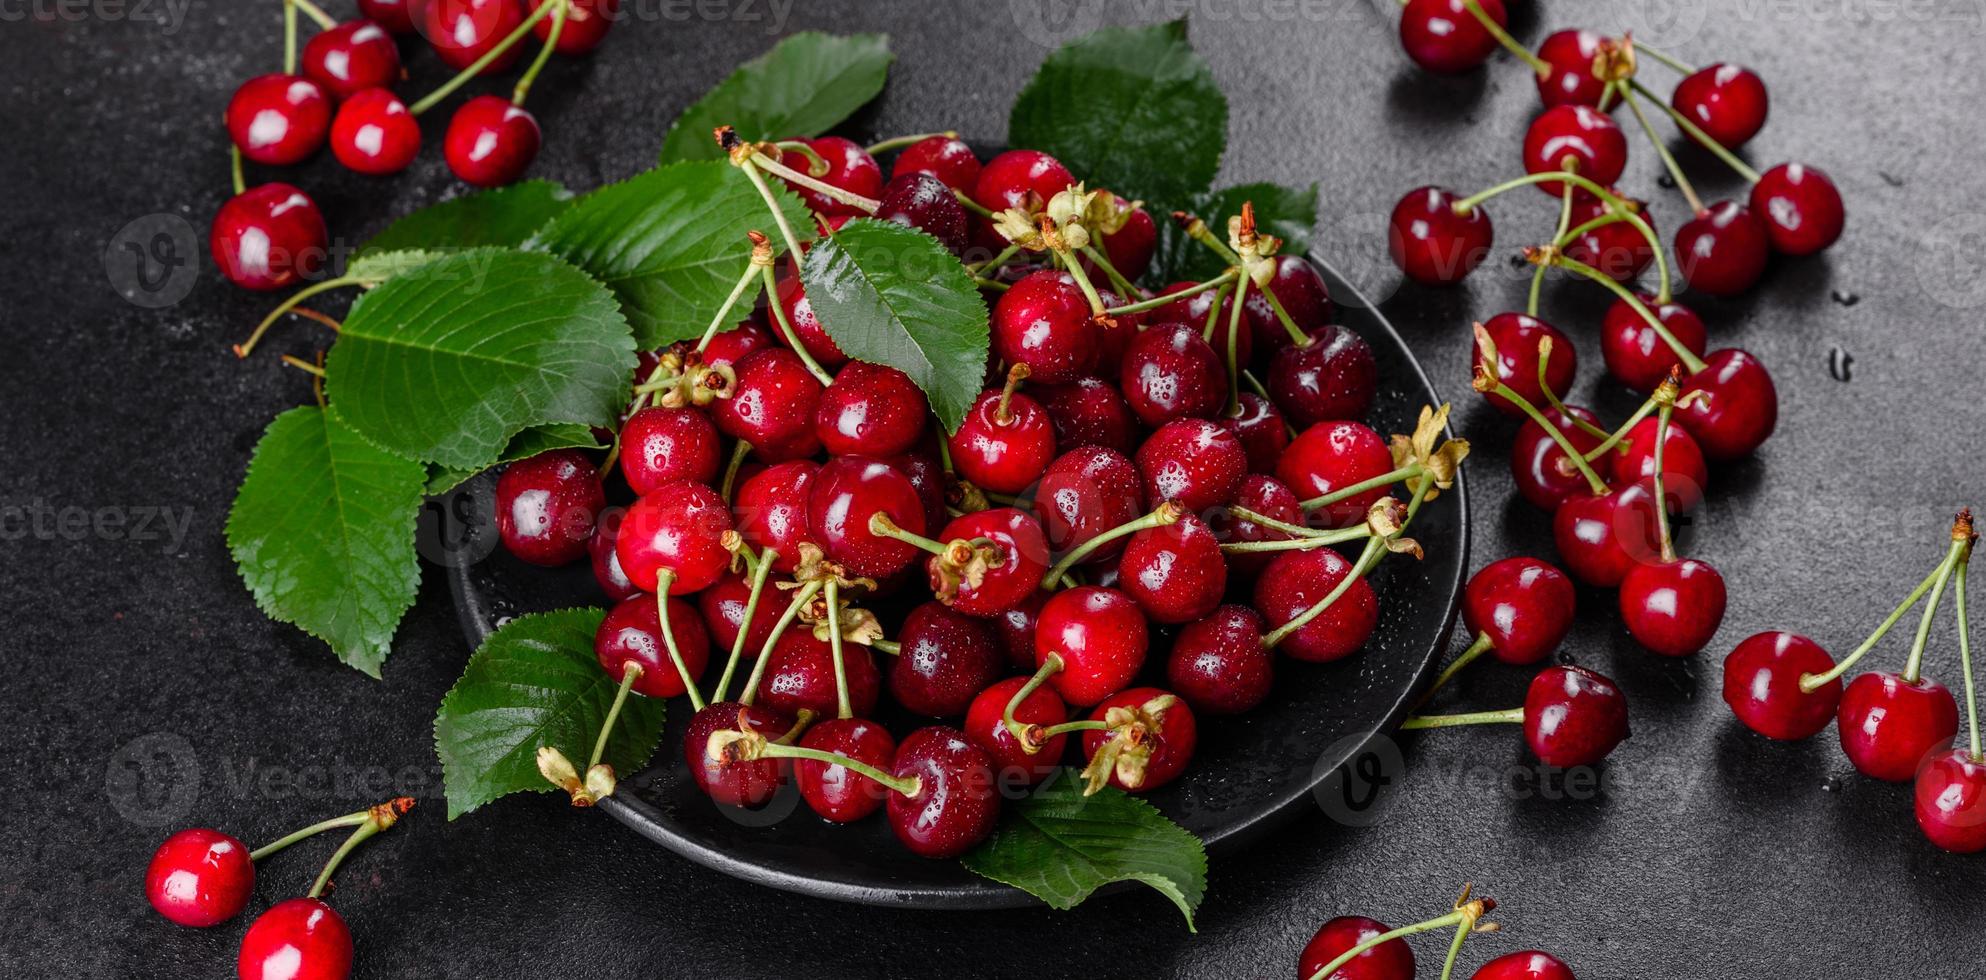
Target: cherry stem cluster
{"points": [[1936, 580], [378, 818], [489, 57]]}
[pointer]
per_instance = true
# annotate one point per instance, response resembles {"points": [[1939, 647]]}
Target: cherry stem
{"points": [[1158, 301], [1066, 727], [1214, 313], [1670, 60], [1468, 204], [1315, 539], [1696, 132], [1965, 656], [786, 618], [244, 348], [1198, 231], [1683, 354], [841, 704], [302, 365], [544, 54], [1558, 241], [1914, 666], [1272, 524], [971, 205], [381, 817], [1373, 546], [786, 330], [462, 77], [1463, 928], [1297, 336], [999, 260], [1619, 435], [1117, 280], [1661, 499], [1075, 270], [867, 205], [1164, 514], [1048, 668], [1015, 375], [1420, 496], [1453, 918], [1551, 397], [817, 165], [738, 453], [1387, 478], [906, 785], [1662, 294], [881, 525], [1510, 716], [1572, 453], [1509, 43], [662, 582], [778, 216], [1661, 149], [902, 141], [992, 284], [759, 575], [1809, 683], [234, 169], [1477, 649], [289, 37], [1233, 333], [317, 14], [630, 673], [348, 820], [890, 647]]}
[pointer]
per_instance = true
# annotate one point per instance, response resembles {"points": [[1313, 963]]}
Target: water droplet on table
{"points": [[1831, 784], [1890, 178], [1666, 181], [1846, 299], [1840, 364]]}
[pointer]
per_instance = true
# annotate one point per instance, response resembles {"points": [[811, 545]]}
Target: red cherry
{"points": [[1175, 571], [1431, 242], [1085, 492], [1674, 607], [1762, 686], [297, 939], [1444, 35], [807, 326], [1618, 250], [1165, 738], [1329, 456], [800, 675], [1722, 250], [1799, 207], [632, 630], [943, 659], [1004, 444], [1193, 311], [1543, 473], [1636, 355], [1219, 665], [1517, 336], [1584, 140], [490, 141], [1015, 628], [1950, 800], [1100, 636], [1525, 965], [1523, 605], [374, 133], [1333, 375], [838, 793], [1009, 179], [734, 345], [772, 406], [923, 202], [1304, 296], [1260, 429], [1742, 408], [1390, 960], [956, 804], [1727, 102], [842, 498], [1263, 495], [606, 564], [746, 784], [270, 236], [586, 25], [870, 410], [660, 446], [1170, 373], [278, 119], [1573, 716], [677, 528], [1298, 580], [947, 158], [1014, 564], [394, 15], [849, 168], [927, 476], [722, 607], [985, 725], [546, 506], [1131, 246], [1044, 323], [772, 510], [352, 57], [200, 877], [1569, 78], [1684, 473], [1089, 412], [462, 31], [1890, 726], [1601, 538], [1193, 462]]}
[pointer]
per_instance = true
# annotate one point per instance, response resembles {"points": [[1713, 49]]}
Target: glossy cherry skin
{"points": [[1569, 78], [200, 877], [351, 57], [660, 446], [394, 15], [1525, 965], [1573, 716], [1089, 412], [1170, 373], [1175, 572], [1762, 686], [1601, 538], [296, 939], [546, 506], [870, 410], [1100, 635], [1543, 473], [1673, 608], [956, 804], [1297, 580], [1433, 244], [1019, 562], [771, 510], [772, 406], [923, 202], [849, 167], [1950, 798], [944, 659], [1517, 337], [1684, 473], [677, 527], [1020, 178], [947, 158], [1304, 296], [1800, 208], [373, 133], [1523, 605], [807, 326], [1722, 250], [586, 25], [462, 31], [1636, 355], [606, 564], [1172, 741], [1261, 430], [1619, 249], [838, 793], [985, 725], [1043, 321], [1193, 312], [927, 475], [1390, 960], [1332, 455], [1264, 495], [1728, 102], [489, 140], [270, 236], [1586, 139], [1130, 248], [800, 675], [1444, 36], [632, 631], [278, 119], [1332, 376], [722, 607], [1015, 628], [1194, 462], [745, 784], [1742, 408], [841, 500], [1003, 453], [1219, 665], [1890, 726], [1085, 492]]}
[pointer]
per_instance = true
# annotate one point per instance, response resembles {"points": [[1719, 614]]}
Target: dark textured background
{"points": [[143, 691]]}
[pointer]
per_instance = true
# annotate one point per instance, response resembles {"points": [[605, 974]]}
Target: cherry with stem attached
{"points": [[304, 937], [1571, 717], [1466, 919], [1950, 794]]}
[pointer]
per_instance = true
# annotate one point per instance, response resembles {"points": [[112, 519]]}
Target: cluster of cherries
{"points": [[341, 92], [202, 877], [1896, 727], [1354, 947], [1111, 488]]}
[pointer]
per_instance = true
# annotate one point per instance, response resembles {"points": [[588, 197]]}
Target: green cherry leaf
{"points": [[447, 365], [671, 243], [535, 682], [503, 217], [373, 268], [1288, 213], [1128, 108], [1059, 846], [804, 86], [322, 532], [892, 295], [524, 445]]}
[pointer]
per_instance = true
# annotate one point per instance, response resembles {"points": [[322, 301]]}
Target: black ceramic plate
{"points": [[1249, 773]]}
